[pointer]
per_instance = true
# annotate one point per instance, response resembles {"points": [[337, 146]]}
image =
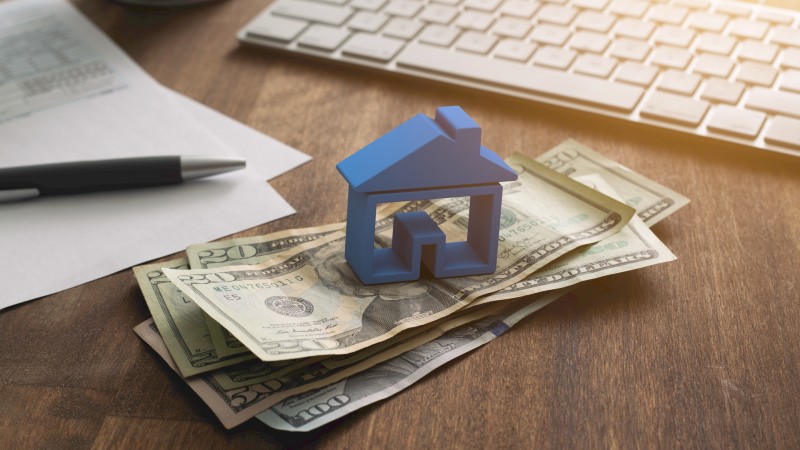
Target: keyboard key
{"points": [[722, 91], [708, 21], [372, 47], [440, 14], [550, 34], [595, 65], [403, 8], [514, 50], [791, 81], [555, 14], [367, 21], [714, 65], [756, 51], [756, 73], [312, 11], [323, 37], [276, 28], [672, 57], [732, 9], [551, 83], [474, 20], [439, 35], [693, 4], [633, 28], [774, 17], [679, 82], [512, 27], [715, 43], [369, 5], [672, 35], [519, 8], [638, 74], [476, 42], [791, 58], [483, 5], [555, 57], [402, 28], [668, 14], [674, 108], [629, 8], [748, 29], [786, 36], [774, 102], [630, 49], [739, 122], [588, 41], [783, 131], [597, 5], [594, 21]]}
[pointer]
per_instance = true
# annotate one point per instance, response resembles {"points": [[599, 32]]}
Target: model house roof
{"points": [[424, 153]]}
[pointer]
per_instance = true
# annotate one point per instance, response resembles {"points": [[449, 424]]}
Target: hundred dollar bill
{"points": [[180, 321], [634, 247], [234, 406], [315, 408], [653, 202], [307, 302]]}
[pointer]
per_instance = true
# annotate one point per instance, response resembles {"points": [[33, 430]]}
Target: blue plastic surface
{"points": [[424, 158]]}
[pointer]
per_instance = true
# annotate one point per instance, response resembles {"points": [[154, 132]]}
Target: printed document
{"points": [[68, 93]]}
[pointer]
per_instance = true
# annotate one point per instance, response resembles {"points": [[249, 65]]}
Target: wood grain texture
{"points": [[703, 352]]}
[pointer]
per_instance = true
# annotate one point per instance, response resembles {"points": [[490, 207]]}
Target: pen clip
{"points": [[15, 195]]}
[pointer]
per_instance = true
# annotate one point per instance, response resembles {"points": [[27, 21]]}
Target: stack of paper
{"points": [[69, 93]]}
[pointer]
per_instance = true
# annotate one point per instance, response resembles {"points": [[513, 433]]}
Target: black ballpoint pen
{"points": [[17, 183]]}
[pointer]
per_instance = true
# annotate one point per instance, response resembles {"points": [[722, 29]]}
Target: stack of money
{"points": [[279, 326]]}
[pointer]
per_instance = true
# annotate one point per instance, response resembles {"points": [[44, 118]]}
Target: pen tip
{"points": [[203, 166]]}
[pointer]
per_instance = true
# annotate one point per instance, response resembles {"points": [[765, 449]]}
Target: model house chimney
{"points": [[460, 127]]}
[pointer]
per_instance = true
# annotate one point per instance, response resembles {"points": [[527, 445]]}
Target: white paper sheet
{"points": [[74, 96], [266, 155]]}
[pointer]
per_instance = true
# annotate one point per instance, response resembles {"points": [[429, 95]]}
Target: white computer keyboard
{"points": [[725, 70]]}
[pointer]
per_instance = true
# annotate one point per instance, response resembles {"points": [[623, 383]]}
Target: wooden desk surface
{"points": [[702, 352]]}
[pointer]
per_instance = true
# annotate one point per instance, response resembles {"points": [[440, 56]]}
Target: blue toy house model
{"points": [[424, 159]]}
